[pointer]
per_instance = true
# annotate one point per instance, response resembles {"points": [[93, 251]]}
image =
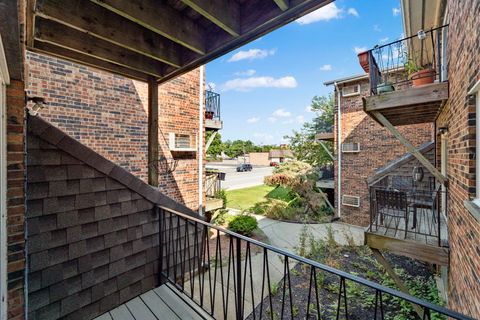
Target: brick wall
{"points": [[92, 234], [377, 147], [459, 115], [109, 114], [15, 199]]}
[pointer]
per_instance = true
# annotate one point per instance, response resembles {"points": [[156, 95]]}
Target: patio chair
{"points": [[392, 204]]}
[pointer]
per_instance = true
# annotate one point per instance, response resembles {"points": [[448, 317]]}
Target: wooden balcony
{"points": [[409, 106], [324, 136]]}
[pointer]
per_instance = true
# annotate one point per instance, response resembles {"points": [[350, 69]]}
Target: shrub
{"points": [[281, 193], [243, 224], [222, 194], [277, 180], [221, 217]]}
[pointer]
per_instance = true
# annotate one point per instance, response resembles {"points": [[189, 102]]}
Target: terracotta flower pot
{"points": [[422, 77], [363, 59]]}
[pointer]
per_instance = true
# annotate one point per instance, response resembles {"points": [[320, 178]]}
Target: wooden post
{"points": [[410, 147], [326, 150], [152, 131]]}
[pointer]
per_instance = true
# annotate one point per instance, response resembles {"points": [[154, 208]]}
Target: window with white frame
{"points": [[475, 91]]}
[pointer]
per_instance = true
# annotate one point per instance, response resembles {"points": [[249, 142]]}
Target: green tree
{"points": [[216, 147], [302, 142]]}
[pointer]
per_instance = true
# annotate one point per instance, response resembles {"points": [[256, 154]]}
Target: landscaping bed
{"points": [[360, 299]]}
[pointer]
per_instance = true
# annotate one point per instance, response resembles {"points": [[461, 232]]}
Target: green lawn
{"points": [[245, 198]]}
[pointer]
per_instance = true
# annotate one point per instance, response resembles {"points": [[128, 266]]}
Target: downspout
{"points": [[201, 112], [339, 151]]}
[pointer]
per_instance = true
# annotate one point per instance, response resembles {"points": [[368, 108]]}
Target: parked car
{"points": [[244, 167], [273, 164]]}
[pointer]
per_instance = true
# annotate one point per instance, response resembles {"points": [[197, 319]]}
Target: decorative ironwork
{"points": [[392, 66], [212, 266]]}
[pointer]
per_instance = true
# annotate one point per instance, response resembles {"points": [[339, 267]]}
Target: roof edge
{"points": [[53, 135], [346, 79]]}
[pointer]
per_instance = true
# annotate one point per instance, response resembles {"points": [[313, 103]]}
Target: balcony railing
{"points": [[212, 105], [408, 210], [213, 183], [395, 65], [231, 276], [326, 172]]}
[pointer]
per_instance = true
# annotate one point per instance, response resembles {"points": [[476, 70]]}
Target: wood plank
{"points": [[381, 259], [282, 4], [10, 30], [60, 35], [121, 313], [411, 148], [104, 24], [162, 19], [182, 310], [105, 316], [411, 96], [408, 248], [30, 27], [140, 310], [158, 306], [326, 149], [153, 149], [223, 13], [53, 50]]}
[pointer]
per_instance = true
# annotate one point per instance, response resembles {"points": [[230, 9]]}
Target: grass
{"points": [[243, 199]]}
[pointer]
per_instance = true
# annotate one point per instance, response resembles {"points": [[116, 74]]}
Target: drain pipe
{"points": [[201, 111], [339, 151]]}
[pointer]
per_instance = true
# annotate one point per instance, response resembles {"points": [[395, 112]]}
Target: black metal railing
{"points": [[213, 183], [326, 172], [409, 211], [393, 66], [212, 105], [231, 276]]}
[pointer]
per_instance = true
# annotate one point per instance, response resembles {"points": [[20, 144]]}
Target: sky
{"points": [[267, 85]]}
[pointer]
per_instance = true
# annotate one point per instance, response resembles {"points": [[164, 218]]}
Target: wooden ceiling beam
{"points": [[223, 13], [63, 53], [282, 4], [60, 35], [106, 25], [162, 19]]}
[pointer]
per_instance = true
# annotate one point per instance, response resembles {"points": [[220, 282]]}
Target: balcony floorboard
{"points": [[410, 106]]}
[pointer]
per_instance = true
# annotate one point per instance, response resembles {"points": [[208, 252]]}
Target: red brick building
{"points": [[364, 148], [109, 113]]}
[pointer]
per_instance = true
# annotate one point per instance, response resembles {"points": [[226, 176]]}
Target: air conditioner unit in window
{"points": [[351, 90], [350, 147], [181, 142], [351, 201]]}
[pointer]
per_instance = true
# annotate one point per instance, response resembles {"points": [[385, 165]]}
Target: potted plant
{"points": [[419, 75], [363, 59], [384, 87], [209, 114]]}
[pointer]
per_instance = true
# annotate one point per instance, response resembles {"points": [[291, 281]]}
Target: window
{"points": [[350, 147], [351, 90], [476, 92], [181, 142], [351, 201]]}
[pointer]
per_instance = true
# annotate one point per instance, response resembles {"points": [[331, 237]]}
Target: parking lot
{"points": [[238, 180]]}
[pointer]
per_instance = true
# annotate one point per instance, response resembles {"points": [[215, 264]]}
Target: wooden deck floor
{"points": [[426, 230], [164, 302]]}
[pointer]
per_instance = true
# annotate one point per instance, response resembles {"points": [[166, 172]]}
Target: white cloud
{"points": [[281, 113], [300, 119], [272, 119], [358, 50], [211, 85], [289, 121], [308, 109], [376, 28], [326, 67], [253, 119], [251, 54], [353, 12], [247, 73], [326, 13], [246, 84], [396, 11], [383, 40]]}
